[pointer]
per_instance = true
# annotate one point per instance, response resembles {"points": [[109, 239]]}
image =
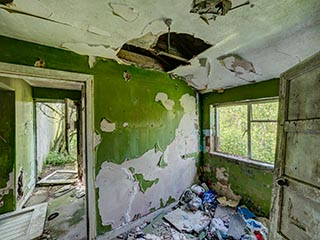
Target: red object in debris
{"points": [[258, 235]]}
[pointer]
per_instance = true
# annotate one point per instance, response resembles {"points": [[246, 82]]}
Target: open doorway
{"points": [[58, 154], [79, 149], [59, 168]]}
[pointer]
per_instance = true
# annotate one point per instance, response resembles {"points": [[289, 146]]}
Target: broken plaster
{"points": [[165, 101], [125, 125], [107, 126], [120, 207], [123, 11], [223, 187]]}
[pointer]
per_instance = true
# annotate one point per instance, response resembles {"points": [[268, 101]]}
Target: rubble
{"points": [[202, 214]]}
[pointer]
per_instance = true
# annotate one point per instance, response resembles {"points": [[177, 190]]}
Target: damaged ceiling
{"points": [[213, 44]]}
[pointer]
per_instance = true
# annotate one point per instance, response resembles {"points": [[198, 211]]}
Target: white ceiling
{"points": [[270, 36]]}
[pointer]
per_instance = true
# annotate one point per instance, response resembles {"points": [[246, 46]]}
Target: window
{"points": [[246, 129]]}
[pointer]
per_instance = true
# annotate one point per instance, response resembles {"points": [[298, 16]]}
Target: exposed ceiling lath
{"points": [[169, 51]]}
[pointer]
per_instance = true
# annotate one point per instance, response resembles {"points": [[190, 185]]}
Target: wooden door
{"points": [[295, 211]]}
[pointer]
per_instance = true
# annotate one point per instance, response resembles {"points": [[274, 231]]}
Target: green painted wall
{"points": [[24, 135], [7, 150], [114, 99], [253, 183]]}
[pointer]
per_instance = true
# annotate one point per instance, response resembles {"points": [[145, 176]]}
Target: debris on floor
{"points": [[65, 218], [202, 214], [22, 224], [59, 177]]}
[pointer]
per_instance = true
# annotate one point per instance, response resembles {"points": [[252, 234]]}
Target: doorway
{"points": [[58, 80], [60, 177]]}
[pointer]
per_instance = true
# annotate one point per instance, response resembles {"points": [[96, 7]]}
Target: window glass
{"points": [[233, 130], [265, 111], [247, 134], [263, 141]]}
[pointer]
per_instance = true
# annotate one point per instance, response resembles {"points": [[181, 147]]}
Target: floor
{"points": [[70, 221], [65, 218]]}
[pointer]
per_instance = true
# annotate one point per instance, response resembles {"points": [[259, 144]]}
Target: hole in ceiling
{"points": [[166, 52]]}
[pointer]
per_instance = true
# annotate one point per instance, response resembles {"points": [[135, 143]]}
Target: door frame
{"points": [[40, 77]]}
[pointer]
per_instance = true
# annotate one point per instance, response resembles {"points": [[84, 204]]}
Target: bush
{"points": [[55, 158]]}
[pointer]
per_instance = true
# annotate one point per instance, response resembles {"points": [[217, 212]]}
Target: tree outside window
{"points": [[246, 129]]}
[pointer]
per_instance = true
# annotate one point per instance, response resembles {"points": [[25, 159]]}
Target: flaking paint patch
{"points": [[92, 61], [97, 139], [119, 201], [107, 126], [157, 148], [162, 163], [125, 125], [144, 184], [9, 186], [125, 12], [91, 50], [164, 100], [115, 183]]}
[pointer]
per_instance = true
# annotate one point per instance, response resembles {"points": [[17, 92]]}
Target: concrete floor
{"points": [[71, 221]]}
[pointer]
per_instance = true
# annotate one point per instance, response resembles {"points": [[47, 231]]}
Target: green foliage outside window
{"points": [[233, 130]]}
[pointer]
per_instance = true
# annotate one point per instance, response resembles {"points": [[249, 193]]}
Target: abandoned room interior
{"points": [[184, 119]]}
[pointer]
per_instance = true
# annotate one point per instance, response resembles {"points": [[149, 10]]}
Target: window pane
{"points": [[263, 141], [233, 130], [265, 111]]}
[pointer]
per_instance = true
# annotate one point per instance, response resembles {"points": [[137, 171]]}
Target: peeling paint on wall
{"points": [[157, 148], [125, 12], [10, 183], [223, 187], [107, 126], [126, 76], [119, 207], [125, 125], [164, 100], [92, 61], [97, 139], [143, 183], [162, 163]]}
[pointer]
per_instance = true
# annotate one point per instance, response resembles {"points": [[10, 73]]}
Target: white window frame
{"points": [[215, 134]]}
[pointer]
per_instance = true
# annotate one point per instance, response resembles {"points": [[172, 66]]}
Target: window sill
{"points": [[244, 160]]}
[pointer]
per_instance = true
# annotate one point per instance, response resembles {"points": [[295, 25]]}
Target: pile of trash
{"points": [[202, 215]]}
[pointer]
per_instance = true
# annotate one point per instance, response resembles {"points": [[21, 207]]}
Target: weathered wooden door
{"points": [[295, 212]]}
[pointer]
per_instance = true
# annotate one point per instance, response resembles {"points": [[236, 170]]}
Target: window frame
{"points": [[215, 134]]}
